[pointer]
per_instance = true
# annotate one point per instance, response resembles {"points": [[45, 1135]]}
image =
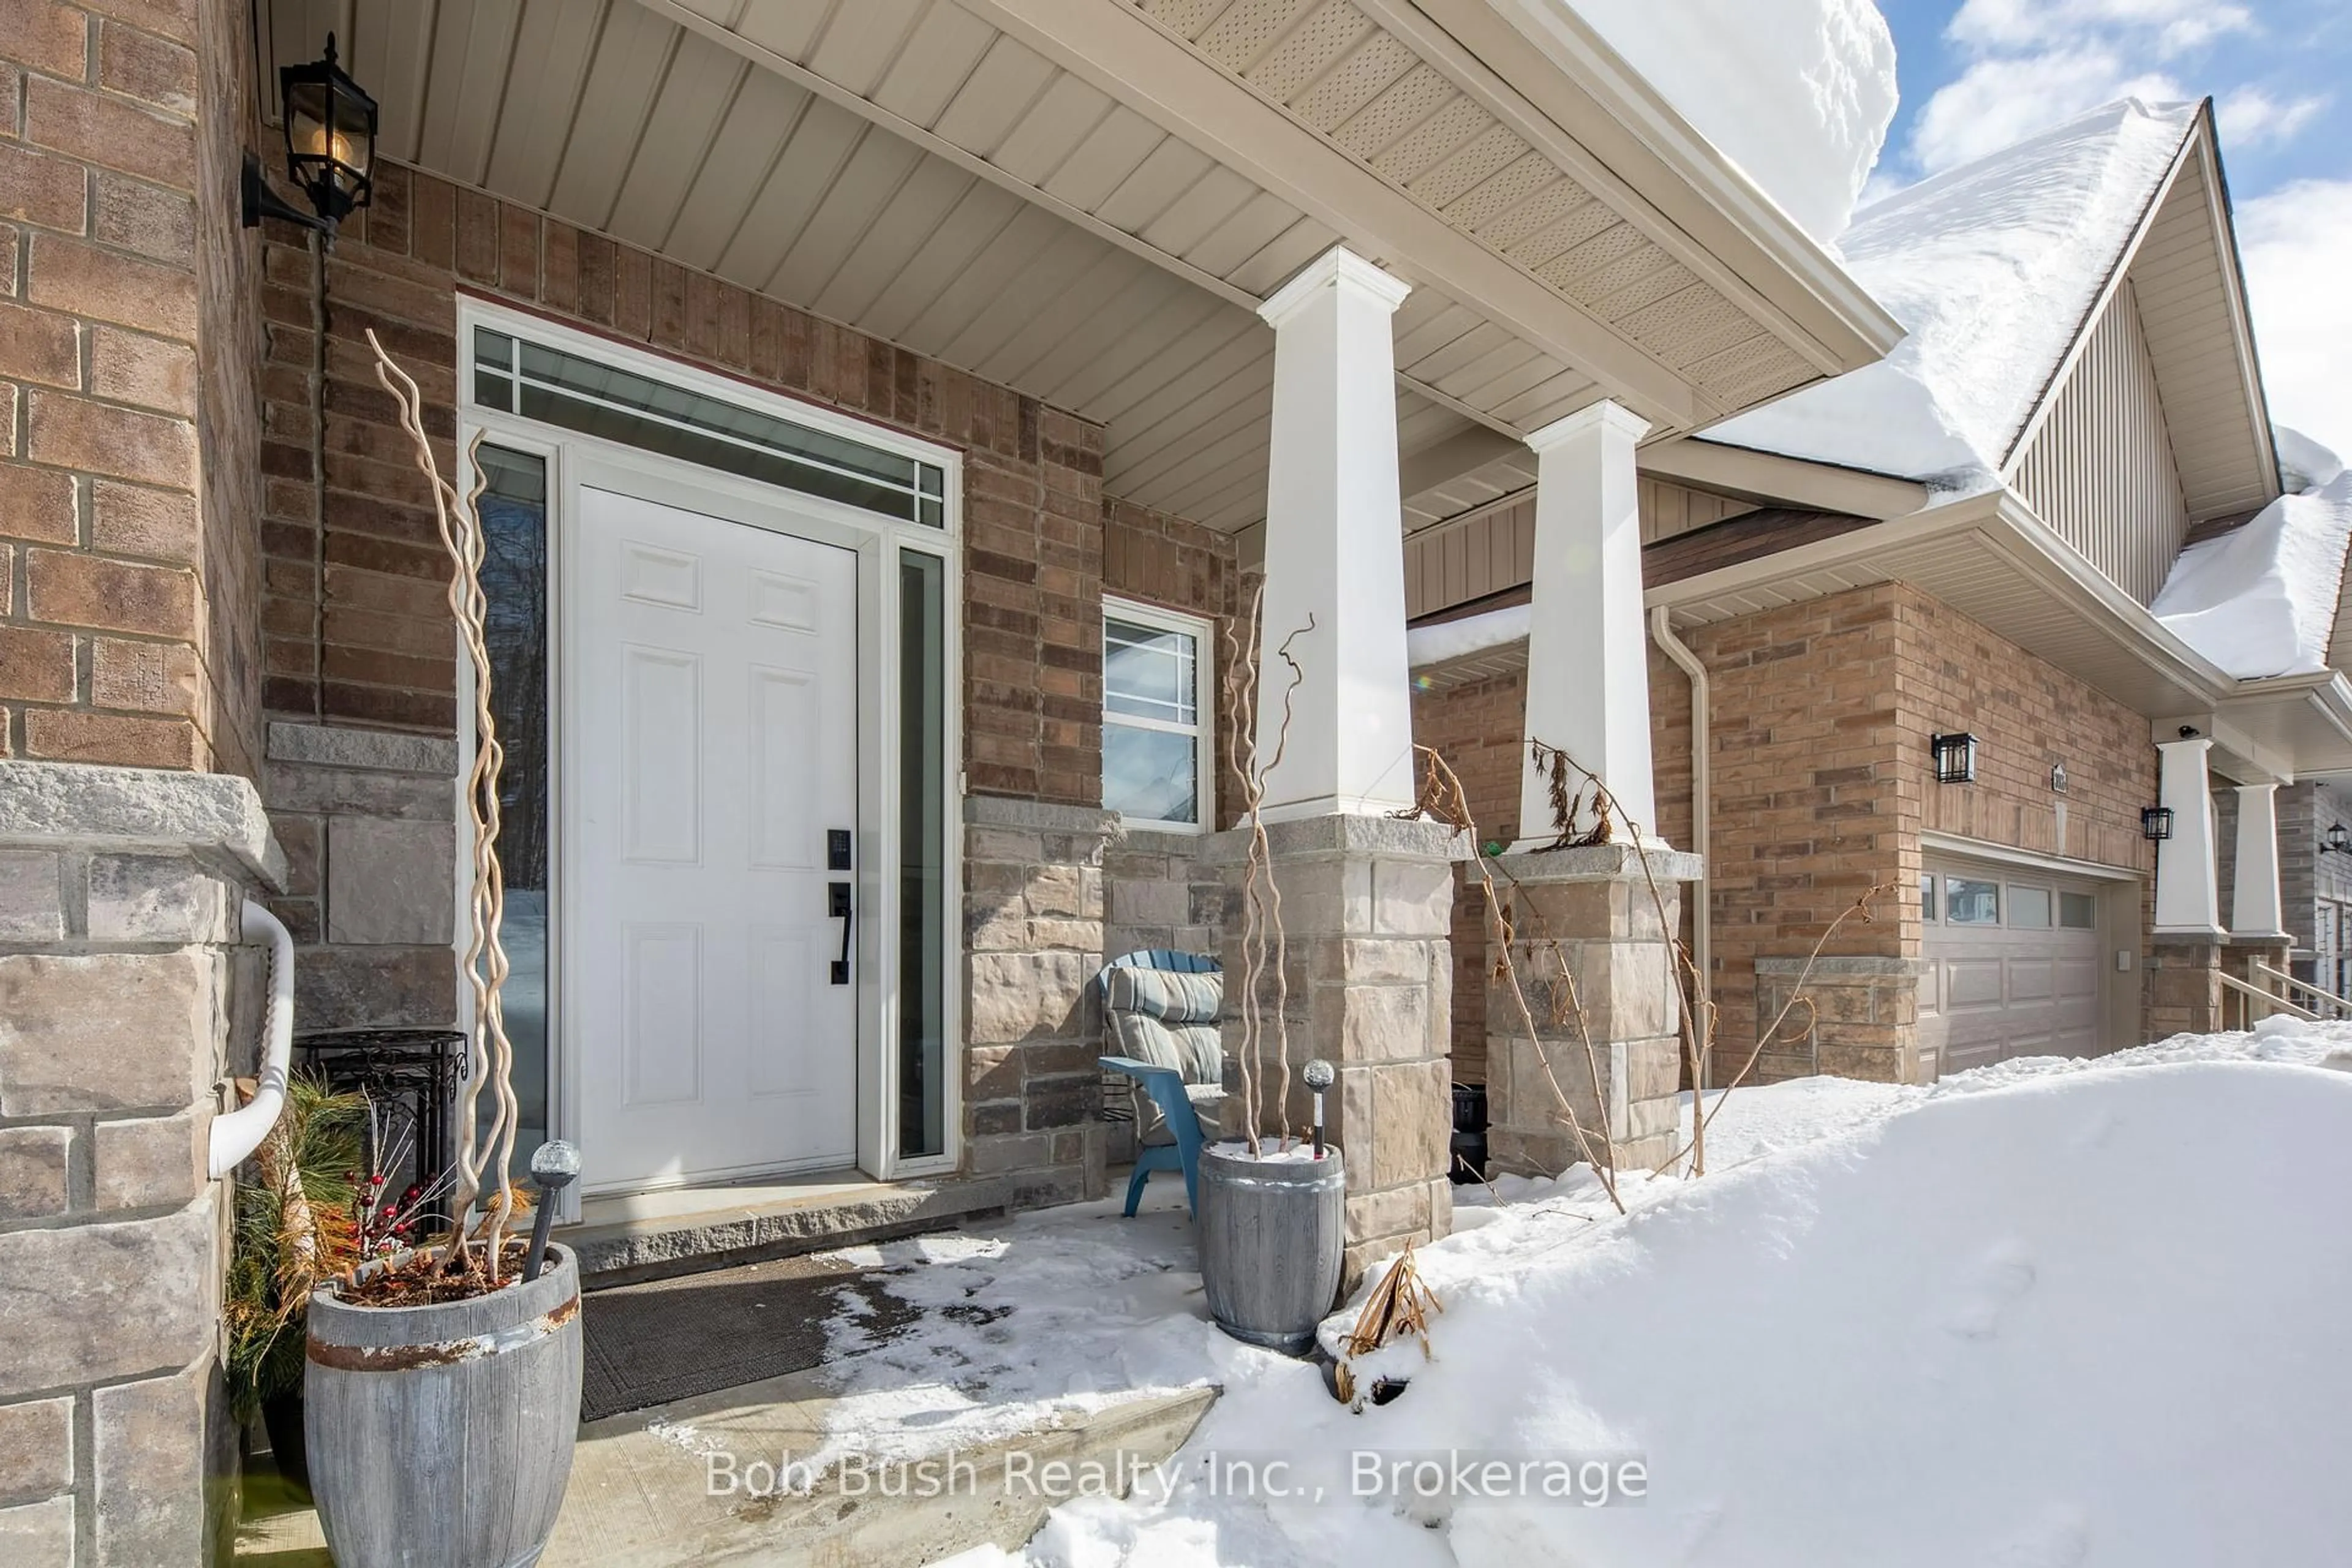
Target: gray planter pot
{"points": [[441, 1436], [1273, 1233]]}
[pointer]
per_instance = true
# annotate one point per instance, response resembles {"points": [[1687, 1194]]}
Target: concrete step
{"points": [[680, 1230]]}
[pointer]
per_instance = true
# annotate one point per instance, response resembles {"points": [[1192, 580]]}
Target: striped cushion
{"points": [[1193, 1049], [1164, 995]]}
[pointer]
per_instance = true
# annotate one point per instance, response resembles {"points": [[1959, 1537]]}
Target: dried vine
{"points": [[489, 1053], [1443, 799], [1262, 922]]}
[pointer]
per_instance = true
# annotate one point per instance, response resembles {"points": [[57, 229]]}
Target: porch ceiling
{"points": [[1085, 199]]}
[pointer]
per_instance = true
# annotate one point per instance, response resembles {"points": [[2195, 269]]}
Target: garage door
{"points": [[2012, 967]]}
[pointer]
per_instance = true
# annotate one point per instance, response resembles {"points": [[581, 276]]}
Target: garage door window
{"points": [[2078, 912], [1928, 899], [2029, 906], [1971, 903]]}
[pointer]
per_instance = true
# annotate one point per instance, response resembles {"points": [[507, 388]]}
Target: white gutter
{"points": [[237, 1133], [1702, 913]]}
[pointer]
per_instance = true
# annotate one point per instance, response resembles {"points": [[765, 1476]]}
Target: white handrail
{"points": [[237, 1133], [2266, 998], [2304, 986]]}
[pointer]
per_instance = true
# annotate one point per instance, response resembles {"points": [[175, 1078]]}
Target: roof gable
{"points": [[1995, 268], [2180, 270]]}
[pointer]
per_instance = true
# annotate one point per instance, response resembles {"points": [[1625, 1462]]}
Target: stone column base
{"points": [[1863, 1022], [1595, 905], [2184, 986], [125, 1000], [1367, 909]]}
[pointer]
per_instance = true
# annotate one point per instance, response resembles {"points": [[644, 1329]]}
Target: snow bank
{"points": [[2303, 463], [1993, 269], [1799, 93], [2052, 1313], [1471, 633], [2261, 599]]}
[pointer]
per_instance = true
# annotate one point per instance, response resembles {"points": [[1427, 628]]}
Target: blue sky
{"points": [[1978, 75]]}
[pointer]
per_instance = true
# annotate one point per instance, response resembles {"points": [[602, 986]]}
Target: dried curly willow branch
{"points": [[1261, 893], [489, 1054], [1443, 799]]}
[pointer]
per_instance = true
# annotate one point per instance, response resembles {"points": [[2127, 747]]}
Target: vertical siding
{"points": [[1490, 551], [2100, 471]]}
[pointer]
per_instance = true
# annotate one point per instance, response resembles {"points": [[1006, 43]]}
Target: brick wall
{"points": [[357, 633], [1822, 784], [126, 556], [1152, 558]]}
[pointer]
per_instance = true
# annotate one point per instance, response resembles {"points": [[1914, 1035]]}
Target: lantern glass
{"points": [[2156, 822], [330, 125], [1956, 758]]}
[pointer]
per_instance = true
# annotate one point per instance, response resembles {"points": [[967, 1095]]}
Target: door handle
{"points": [[842, 910]]}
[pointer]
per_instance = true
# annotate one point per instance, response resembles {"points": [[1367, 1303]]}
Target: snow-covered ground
{"points": [[2045, 1314]]}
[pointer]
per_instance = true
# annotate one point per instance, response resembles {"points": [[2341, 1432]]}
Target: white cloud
{"points": [[2251, 117], [2000, 100], [2173, 25], [2293, 242]]}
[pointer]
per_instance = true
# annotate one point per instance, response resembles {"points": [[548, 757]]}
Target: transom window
{"points": [[1156, 734], [516, 375]]}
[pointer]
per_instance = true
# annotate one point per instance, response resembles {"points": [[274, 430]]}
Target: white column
{"points": [[1588, 661], [2187, 898], [2255, 907], [1335, 549]]}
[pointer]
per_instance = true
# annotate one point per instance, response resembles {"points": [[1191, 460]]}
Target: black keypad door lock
{"points": [[836, 849], [841, 909]]}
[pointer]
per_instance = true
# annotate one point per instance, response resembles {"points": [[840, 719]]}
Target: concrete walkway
{"points": [[1056, 1298]]}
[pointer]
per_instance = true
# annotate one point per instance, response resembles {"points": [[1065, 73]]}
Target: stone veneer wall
{"points": [[1051, 892], [128, 571], [122, 1006], [368, 820]]}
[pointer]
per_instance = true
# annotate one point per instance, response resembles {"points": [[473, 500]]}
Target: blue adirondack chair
{"points": [[1169, 1084]]}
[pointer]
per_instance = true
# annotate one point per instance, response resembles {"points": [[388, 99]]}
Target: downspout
{"points": [[1702, 802], [237, 1133]]}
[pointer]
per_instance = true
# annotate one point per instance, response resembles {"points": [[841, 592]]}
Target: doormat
{"points": [[673, 1339]]}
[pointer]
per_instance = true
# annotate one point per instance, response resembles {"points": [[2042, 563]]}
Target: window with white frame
{"points": [[1158, 765]]}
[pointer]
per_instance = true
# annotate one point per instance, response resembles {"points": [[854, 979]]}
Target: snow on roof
{"points": [[1798, 93], [1471, 633], [2261, 599], [2303, 463], [1992, 267]]}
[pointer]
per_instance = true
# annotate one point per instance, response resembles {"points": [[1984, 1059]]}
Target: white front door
{"points": [[712, 720]]}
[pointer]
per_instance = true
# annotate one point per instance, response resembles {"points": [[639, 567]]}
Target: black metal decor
{"points": [[2156, 823], [411, 1076]]}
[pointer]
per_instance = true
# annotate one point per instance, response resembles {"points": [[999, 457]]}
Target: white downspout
{"points": [[237, 1133], [1701, 812]]}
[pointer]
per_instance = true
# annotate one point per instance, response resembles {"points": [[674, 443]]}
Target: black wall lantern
{"points": [[2337, 842], [2156, 822], [1956, 758], [330, 146]]}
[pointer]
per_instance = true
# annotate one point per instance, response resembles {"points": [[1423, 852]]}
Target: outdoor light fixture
{"points": [[1318, 1076], [2338, 841], [553, 1167], [2058, 777], [330, 147], [1956, 758], [2156, 822]]}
